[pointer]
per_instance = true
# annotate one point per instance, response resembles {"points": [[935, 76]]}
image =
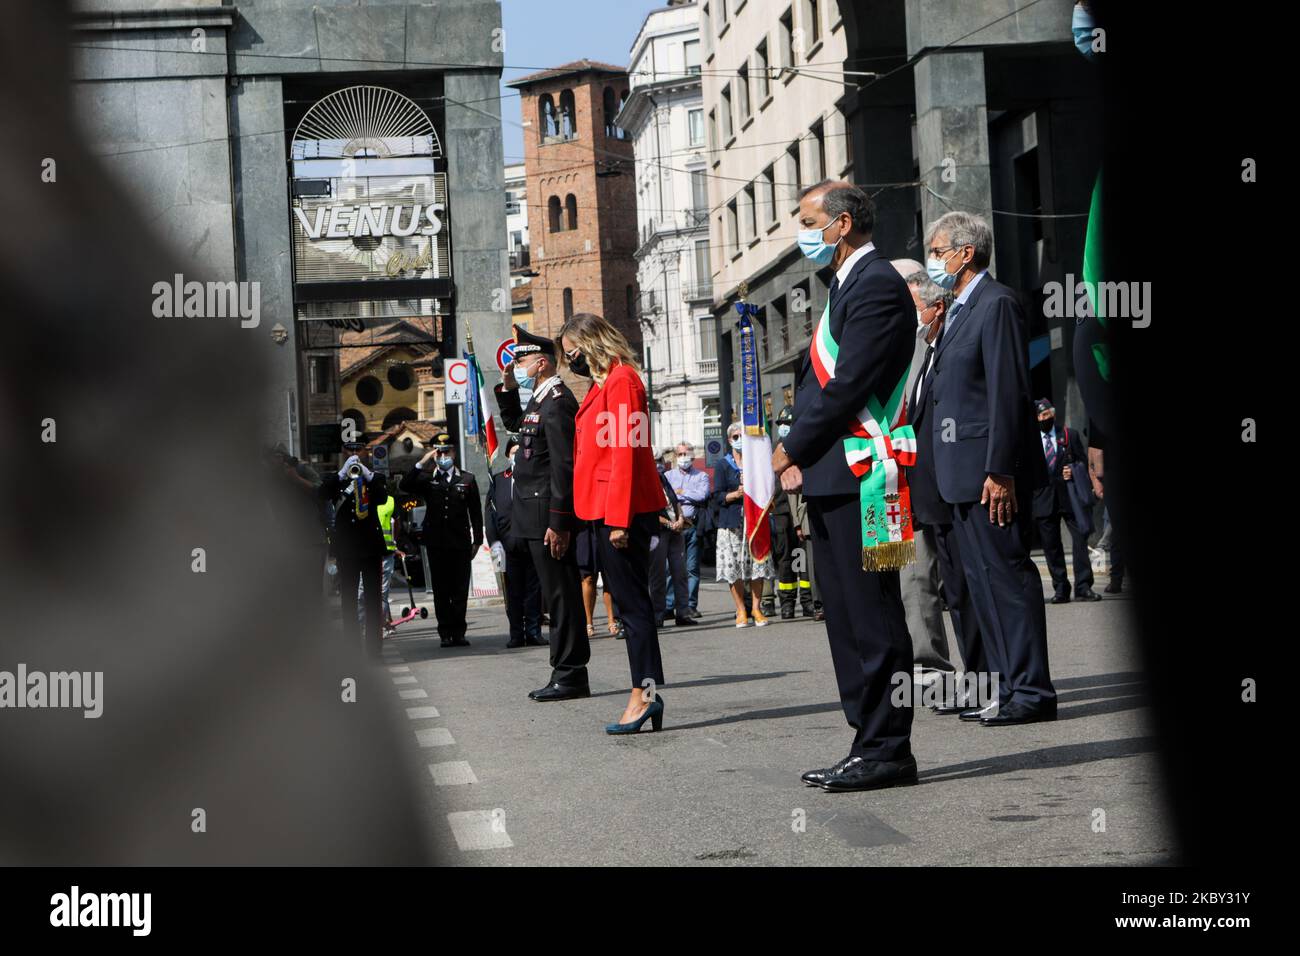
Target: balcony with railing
{"points": [[519, 259], [698, 291]]}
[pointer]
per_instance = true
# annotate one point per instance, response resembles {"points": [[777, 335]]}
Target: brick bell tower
{"points": [[581, 186]]}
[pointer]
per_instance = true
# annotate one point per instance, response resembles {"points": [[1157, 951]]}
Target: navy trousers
{"points": [[867, 630]]}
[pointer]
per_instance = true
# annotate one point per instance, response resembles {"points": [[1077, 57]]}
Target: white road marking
{"points": [[398, 670], [452, 773], [405, 680], [434, 737], [477, 830], [420, 713], [418, 693]]}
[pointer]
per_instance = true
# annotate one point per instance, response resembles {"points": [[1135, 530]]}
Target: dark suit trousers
{"points": [[1049, 533], [965, 622], [523, 594], [626, 573], [562, 585], [668, 567], [370, 572], [450, 577], [1007, 593], [867, 629]]}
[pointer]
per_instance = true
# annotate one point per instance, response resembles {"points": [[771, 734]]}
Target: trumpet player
{"points": [[359, 547]]}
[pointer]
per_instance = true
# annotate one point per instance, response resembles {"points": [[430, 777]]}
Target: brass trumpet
{"points": [[354, 472]]}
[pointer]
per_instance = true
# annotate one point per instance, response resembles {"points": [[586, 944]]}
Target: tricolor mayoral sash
{"points": [[879, 442]]}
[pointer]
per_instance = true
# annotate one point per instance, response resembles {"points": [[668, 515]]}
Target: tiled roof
{"points": [[577, 66]]}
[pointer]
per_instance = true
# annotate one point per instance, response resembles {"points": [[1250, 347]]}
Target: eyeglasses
{"points": [[936, 252]]}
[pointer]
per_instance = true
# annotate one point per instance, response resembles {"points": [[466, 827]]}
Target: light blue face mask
{"points": [[737, 444], [445, 463], [936, 269], [524, 380], [812, 243], [1081, 25]]}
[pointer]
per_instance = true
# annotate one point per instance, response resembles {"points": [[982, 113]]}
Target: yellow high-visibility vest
{"points": [[385, 513]]}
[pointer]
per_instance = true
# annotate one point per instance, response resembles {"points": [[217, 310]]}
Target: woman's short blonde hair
{"points": [[599, 341], [735, 428]]}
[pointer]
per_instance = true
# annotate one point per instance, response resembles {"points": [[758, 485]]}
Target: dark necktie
{"points": [[1050, 450], [835, 287]]}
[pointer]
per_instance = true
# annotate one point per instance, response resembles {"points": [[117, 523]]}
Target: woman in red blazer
{"points": [[616, 489]]}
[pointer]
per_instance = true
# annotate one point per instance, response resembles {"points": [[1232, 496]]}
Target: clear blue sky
{"points": [[546, 33]]}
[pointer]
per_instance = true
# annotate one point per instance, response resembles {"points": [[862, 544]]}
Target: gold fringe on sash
{"points": [[889, 555]]}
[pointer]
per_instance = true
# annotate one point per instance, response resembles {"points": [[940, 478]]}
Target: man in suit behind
{"points": [[1063, 451], [987, 461], [933, 515], [870, 321]]}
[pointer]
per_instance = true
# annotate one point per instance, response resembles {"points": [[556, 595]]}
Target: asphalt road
{"points": [[508, 781]]}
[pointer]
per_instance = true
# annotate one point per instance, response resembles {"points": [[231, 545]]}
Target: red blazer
{"points": [[614, 475]]}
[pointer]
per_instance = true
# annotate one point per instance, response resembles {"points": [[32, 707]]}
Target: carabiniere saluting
{"points": [[543, 503]]}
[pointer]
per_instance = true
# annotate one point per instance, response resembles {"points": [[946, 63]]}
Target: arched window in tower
{"points": [[553, 214], [568, 115], [547, 121], [611, 109], [571, 209], [568, 304]]}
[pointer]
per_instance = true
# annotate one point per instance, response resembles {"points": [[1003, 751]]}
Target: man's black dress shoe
{"points": [[815, 778], [560, 692], [445, 642], [1086, 594], [971, 713], [687, 622], [948, 709], [1115, 587], [514, 643], [459, 642], [695, 613], [537, 642], [1014, 712], [1061, 597], [858, 773]]}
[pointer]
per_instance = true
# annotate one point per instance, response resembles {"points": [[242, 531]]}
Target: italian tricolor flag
{"points": [[479, 421]]}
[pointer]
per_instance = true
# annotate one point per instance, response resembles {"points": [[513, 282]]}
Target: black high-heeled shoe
{"points": [[654, 713]]}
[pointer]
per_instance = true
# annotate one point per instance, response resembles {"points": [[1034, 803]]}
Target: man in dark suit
{"points": [[869, 329], [452, 533], [358, 540], [987, 462], [543, 504], [933, 515], [1064, 452], [523, 589]]}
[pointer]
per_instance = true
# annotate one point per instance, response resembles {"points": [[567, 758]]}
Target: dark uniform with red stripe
{"points": [[543, 499]]}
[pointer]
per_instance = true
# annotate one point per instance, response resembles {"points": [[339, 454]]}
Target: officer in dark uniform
{"points": [[543, 503], [523, 588], [452, 533], [358, 540], [785, 545]]}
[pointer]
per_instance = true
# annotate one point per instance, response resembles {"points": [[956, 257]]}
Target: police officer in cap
{"points": [[523, 588], [543, 503], [452, 533], [358, 539]]}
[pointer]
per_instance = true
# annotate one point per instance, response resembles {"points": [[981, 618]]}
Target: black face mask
{"points": [[578, 366], [1046, 426]]}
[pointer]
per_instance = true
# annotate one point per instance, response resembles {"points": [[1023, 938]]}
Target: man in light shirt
{"points": [[692, 488]]}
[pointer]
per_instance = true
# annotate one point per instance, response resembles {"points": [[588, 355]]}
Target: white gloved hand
{"points": [[366, 473], [343, 472], [499, 556]]}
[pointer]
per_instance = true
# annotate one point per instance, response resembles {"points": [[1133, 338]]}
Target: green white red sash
{"points": [[879, 442]]}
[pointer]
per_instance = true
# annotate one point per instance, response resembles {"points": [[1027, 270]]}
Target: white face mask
{"points": [[920, 318], [684, 461]]}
